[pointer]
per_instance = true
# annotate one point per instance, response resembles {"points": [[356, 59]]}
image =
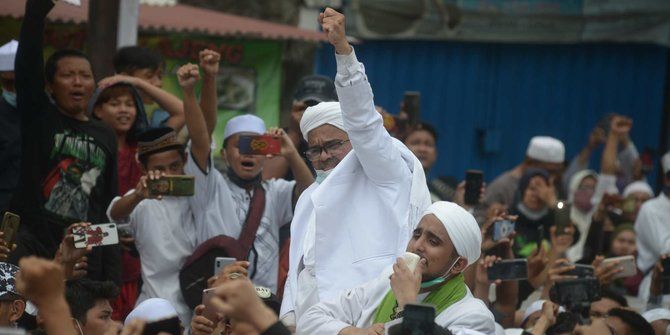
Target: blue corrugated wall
{"points": [[514, 91]]}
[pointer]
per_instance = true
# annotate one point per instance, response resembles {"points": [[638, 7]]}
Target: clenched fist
{"points": [[188, 76], [332, 24]]}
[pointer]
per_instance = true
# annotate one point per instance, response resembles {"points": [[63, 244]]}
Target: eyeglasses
{"points": [[330, 147]]}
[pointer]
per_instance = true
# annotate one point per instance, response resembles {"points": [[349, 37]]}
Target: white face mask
{"points": [[321, 175]]}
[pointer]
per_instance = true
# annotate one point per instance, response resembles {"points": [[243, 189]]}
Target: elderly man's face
{"points": [[432, 243], [334, 144]]}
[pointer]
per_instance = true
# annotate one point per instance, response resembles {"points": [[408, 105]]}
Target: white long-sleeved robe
{"points": [[357, 307], [653, 237], [364, 211]]}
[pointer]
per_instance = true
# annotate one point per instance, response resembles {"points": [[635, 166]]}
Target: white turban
{"points": [[638, 186], [320, 114], [463, 230], [153, 309], [656, 314], [546, 149]]}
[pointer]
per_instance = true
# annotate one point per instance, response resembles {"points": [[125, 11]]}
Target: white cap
{"points": [[153, 309], [246, 123], [665, 162], [656, 314], [546, 149], [638, 186], [7, 55]]}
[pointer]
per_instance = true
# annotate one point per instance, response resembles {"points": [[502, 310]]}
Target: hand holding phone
{"points": [[10, 227], [474, 179], [259, 145], [502, 229], [627, 263], [95, 235]]}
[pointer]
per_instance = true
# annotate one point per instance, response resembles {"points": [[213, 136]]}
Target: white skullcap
{"points": [[536, 307], [320, 114], [7, 55], [656, 314], [153, 309], [638, 186], [246, 123], [461, 227], [665, 162], [546, 149]]}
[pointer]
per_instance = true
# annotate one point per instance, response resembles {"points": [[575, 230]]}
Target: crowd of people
{"points": [[338, 231]]}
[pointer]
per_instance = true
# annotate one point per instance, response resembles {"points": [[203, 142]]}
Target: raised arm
{"points": [[209, 64], [188, 76], [29, 64], [166, 100], [373, 145]]}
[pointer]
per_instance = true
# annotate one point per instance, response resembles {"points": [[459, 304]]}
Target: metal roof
{"points": [[181, 19]]}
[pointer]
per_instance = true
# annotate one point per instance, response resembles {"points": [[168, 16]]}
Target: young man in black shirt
{"points": [[69, 159]]}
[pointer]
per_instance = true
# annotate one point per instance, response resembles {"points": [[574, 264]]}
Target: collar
{"points": [[243, 183]]}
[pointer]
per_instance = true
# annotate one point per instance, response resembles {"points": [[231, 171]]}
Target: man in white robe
{"points": [[369, 192], [653, 230], [448, 240]]}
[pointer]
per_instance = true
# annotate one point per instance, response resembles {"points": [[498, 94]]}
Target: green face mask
{"points": [[442, 279]]}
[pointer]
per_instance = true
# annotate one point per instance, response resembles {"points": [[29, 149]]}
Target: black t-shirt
{"points": [[68, 168], [10, 152]]}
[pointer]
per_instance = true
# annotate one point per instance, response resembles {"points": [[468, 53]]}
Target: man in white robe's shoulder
{"points": [[448, 240], [369, 192]]}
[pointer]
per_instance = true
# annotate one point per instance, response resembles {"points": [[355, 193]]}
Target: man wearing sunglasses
{"points": [[369, 192]]}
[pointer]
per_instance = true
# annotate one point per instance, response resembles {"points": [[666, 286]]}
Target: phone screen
{"points": [[513, 269], [474, 180], [412, 106], [176, 186], [259, 145]]}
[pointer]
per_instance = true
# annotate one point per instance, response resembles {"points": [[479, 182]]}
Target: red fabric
{"points": [[283, 267], [130, 289], [632, 284], [129, 169]]}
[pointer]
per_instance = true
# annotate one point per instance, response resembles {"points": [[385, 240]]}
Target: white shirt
{"points": [[363, 212], [164, 232], [653, 231], [357, 307], [225, 212]]}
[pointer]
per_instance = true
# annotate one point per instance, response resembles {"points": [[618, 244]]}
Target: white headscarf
{"points": [[581, 220], [638, 186], [153, 309], [320, 114], [461, 227]]}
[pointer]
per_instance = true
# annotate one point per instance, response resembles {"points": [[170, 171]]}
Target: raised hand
{"points": [[209, 62], [73, 260], [40, 280], [115, 79], [332, 23], [188, 76], [405, 283], [287, 146]]}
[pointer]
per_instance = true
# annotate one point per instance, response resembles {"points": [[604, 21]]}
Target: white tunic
{"points": [[653, 237], [164, 232], [363, 212], [225, 210], [357, 307]]}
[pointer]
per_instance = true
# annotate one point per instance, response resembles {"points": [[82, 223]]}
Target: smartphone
{"points": [[626, 262], [170, 326], [176, 186], [575, 292], [418, 319], [10, 227], [474, 180], [509, 269], [502, 229], [412, 106], [666, 268], [209, 312], [96, 235], [581, 271], [222, 262], [259, 145], [562, 218]]}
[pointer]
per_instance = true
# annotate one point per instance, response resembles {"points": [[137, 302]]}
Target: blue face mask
{"points": [[321, 175], [442, 279], [10, 97]]}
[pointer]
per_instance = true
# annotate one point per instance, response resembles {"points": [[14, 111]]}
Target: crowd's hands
{"points": [[656, 288], [134, 327], [547, 319], [4, 248], [287, 146], [142, 188], [73, 260], [487, 233], [119, 78], [537, 266], [237, 299], [605, 272], [332, 24], [405, 283], [620, 127], [209, 63], [561, 241], [597, 137], [546, 191], [41, 281], [201, 325], [557, 273], [188, 75], [482, 282], [231, 271]]}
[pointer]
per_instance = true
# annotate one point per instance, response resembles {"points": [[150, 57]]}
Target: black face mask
{"points": [[243, 183]]}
